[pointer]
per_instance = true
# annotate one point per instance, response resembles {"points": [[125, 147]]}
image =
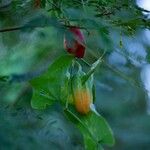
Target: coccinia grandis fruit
{"points": [[76, 44]]}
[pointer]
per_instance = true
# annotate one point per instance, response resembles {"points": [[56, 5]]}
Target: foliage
{"points": [[34, 67]]}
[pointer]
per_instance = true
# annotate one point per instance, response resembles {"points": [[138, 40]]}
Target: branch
{"points": [[12, 29], [105, 14], [142, 9], [23, 27]]}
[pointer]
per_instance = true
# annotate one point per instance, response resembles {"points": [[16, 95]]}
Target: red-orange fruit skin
{"points": [[78, 44], [82, 101]]}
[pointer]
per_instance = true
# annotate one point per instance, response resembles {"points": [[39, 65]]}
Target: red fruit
{"points": [[76, 44]]}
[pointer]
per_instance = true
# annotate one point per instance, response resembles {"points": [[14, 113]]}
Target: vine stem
{"points": [[86, 62], [23, 27], [12, 29]]}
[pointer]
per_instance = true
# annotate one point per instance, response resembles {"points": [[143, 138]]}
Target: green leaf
{"points": [[51, 85], [91, 71], [40, 101], [98, 127], [94, 129]]}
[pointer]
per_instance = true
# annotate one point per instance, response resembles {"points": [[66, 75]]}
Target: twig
{"points": [[105, 14], [23, 27], [12, 29]]}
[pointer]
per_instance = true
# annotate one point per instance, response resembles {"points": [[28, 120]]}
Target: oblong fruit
{"points": [[76, 44], [82, 101]]}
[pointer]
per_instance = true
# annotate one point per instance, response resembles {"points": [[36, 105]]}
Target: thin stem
{"points": [[132, 82], [23, 27], [12, 29], [85, 62]]}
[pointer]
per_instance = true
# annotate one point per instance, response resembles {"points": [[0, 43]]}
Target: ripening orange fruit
{"points": [[82, 92], [82, 99]]}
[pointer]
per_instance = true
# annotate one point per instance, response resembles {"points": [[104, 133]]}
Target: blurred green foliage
{"points": [[110, 27]]}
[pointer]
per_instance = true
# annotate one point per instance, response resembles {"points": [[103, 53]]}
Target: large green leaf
{"points": [[94, 129], [51, 85], [98, 128]]}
